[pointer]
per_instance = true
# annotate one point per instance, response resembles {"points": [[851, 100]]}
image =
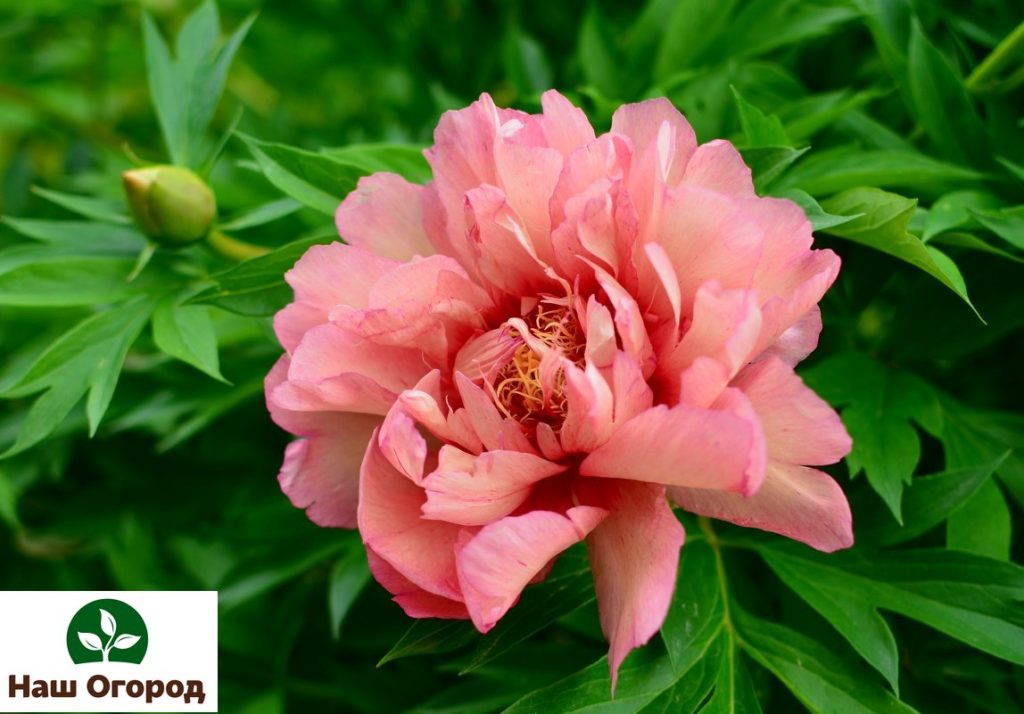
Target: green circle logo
{"points": [[107, 631]]}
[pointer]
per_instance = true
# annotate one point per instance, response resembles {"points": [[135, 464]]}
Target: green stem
{"points": [[723, 584], [232, 247], [1001, 56]]}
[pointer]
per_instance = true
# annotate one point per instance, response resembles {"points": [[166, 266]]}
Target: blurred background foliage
{"points": [[177, 487]]}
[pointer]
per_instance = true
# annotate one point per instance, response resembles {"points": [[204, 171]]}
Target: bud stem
{"points": [[232, 247]]}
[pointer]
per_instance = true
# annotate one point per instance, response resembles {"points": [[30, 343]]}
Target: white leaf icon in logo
{"points": [[126, 641], [90, 641], [107, 623]]}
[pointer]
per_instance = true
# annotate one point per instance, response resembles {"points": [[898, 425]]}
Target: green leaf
{"points": [[256, 286], [928, 502], [884, 227], [833, 170], [348, 579], [602, 68], [431, 637], [767, 163], [43, 276], [760, 129], [823, 681], [79, 234], [954, 209], [315, 180], [1007, 224], [970, 598], [526, 63], [403, 159], [982, 525], [262, 214], [186, 89], [878, 405], [974, 436], [942, 105], [819, 218], [186, 332], [87, 206], [765, 25], [692, 30], [86, 359], [568, 588]]}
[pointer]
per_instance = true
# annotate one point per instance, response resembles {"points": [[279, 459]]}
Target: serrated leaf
{"points": [[884, 227], [90, 641], [124, 642], [877, 406], [315, 180], [107, 623], [186, 332]]}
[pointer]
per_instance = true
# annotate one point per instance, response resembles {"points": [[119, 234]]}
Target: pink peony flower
{"points": [[543, 346]]}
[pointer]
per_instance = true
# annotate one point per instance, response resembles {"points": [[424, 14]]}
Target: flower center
{"points": [[529, 388]]}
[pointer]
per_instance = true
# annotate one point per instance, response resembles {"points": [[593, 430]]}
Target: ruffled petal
{"points": [[383, 215]]}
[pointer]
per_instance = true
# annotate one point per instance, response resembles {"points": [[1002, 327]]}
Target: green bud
{"points": [[171, 205]]}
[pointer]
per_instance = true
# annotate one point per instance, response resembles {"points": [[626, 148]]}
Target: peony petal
{"points": [[717, 166], [800, 427], [484, 488], [795, 501], [656, 126], [588, 419], [634, 554], [683, 445], [414, 600], [390, 522], [566, 127], [336, 274], [383, 215], [719, 342], [495, 564], [321, 471]]}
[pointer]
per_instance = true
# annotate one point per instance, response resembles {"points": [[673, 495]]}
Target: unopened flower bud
{"points": [[170, 204]]}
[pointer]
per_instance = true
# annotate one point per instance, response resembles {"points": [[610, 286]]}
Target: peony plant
{"points": [[553, 341]]}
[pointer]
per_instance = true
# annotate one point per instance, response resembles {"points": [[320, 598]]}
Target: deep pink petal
{"points": [[336, 274]]}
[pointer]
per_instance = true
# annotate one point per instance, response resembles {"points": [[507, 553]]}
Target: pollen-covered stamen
{"points": [[522, 389]]}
